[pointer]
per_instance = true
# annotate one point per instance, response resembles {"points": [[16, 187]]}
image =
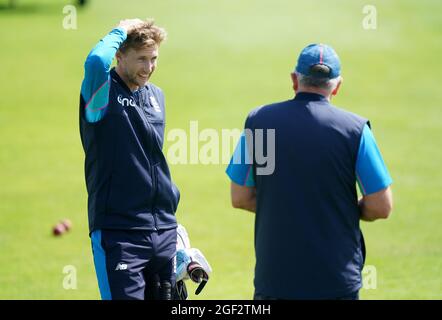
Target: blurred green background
{"points": [[221, 59]]}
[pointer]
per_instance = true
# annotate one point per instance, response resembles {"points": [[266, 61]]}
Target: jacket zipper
{"points": [[153, 168]]}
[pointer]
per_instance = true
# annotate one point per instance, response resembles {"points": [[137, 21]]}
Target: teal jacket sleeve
{"points": [[96, 82]]}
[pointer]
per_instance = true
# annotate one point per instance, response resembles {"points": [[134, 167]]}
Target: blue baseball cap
{"points": [[319, 54]]}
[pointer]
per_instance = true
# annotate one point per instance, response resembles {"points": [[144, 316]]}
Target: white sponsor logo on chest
{"points": [[125, 102]]}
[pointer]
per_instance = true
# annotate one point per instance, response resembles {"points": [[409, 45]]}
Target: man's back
{"points": [[307, 240], [308, 243]]}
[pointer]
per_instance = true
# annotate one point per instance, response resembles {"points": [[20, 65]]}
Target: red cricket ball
{"points": [[58, 229]]}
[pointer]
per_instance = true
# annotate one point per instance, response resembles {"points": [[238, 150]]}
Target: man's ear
{"points": [[335, 91], [118, 56], [295, 81]]}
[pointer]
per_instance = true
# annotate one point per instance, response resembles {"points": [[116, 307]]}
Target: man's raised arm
{"points": [[95, 86]]}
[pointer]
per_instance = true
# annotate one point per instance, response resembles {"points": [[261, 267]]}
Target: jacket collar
{"points": [[310, 96]]}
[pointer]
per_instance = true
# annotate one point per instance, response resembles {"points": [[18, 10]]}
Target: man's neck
{"points": [[129, 84]]}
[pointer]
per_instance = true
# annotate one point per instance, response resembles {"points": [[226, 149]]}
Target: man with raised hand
{"points": [[131, 198]]}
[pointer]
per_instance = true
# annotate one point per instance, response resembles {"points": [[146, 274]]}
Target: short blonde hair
{"points": [[147, 34]]}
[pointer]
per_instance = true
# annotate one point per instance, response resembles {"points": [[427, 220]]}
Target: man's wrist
{"points": [[122, 30]]}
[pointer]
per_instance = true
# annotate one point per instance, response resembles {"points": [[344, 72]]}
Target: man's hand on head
{"points": [[129, 24]]}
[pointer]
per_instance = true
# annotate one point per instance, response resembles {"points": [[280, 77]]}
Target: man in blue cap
{"points": [[308, 242]]}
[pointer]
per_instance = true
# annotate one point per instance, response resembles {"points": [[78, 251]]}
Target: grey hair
{"points": [[315, 82]]}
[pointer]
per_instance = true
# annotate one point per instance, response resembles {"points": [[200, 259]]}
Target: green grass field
{"points": [[221, 60]]}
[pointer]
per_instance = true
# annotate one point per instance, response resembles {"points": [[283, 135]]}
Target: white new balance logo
{"points": [[121, 266]]}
